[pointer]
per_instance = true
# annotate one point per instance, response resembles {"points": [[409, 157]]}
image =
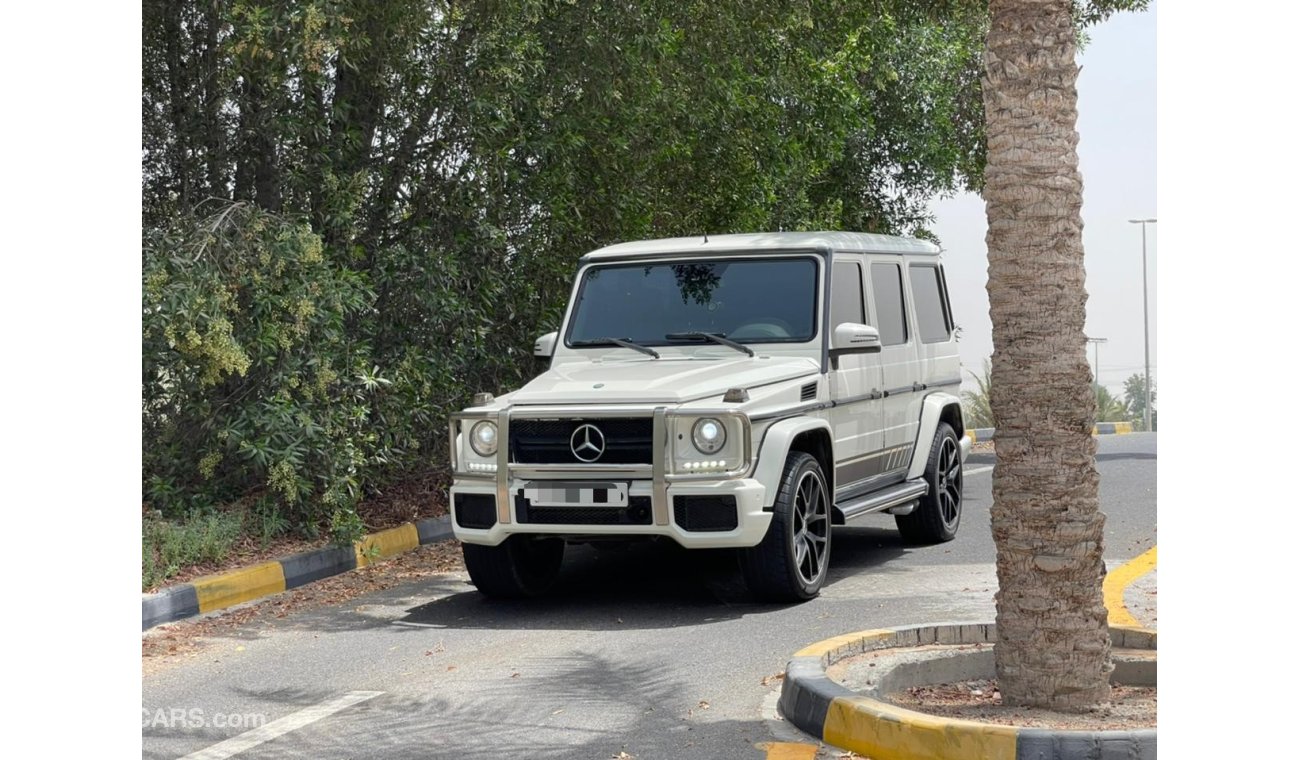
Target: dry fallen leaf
{"points": [[166, 643]]}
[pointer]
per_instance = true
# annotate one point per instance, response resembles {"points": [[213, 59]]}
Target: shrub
{"points": [[252, 376]]}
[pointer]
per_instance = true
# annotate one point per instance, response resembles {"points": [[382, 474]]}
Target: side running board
{"points": [[900, 495]]}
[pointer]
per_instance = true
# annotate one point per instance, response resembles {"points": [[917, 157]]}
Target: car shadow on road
{"points": [[646, 586]]}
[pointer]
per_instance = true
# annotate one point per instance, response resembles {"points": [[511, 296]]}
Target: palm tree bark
{"points": [[1053, 645]]}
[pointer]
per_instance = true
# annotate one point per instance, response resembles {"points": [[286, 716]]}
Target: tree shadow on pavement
{"points": [[574, 706]]}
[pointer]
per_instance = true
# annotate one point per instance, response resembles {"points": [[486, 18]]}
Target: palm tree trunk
{"points": [[1053, 646]]}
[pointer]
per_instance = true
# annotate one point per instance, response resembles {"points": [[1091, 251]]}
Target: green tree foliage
{"points": [[1109, 408], [1135, 396], [357, 214], [252, 378]]}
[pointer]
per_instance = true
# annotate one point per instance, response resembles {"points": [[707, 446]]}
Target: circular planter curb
{"points": [[850, 720]]}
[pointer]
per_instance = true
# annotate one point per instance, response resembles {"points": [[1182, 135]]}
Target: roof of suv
{"points": [[750, 242]]}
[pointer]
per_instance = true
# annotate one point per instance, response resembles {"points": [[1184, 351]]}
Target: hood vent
{"points": [[808, 392]]}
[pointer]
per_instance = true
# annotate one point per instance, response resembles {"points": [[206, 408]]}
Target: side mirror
{"points": [[850, 337], [544, 348]]}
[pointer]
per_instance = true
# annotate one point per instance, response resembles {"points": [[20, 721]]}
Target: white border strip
{"points": [[278, 728]]}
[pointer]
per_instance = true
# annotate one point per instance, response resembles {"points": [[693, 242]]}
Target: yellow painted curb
{"points": [[1123, 427], [885, 732], [822, 648], [1118, 581], [217, 591], [789, 751], [386, 543]]}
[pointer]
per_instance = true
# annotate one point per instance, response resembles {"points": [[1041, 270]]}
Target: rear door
{"points": [[888, 303]]}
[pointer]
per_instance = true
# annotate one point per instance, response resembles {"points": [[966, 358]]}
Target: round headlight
{"points": [[708, 435], [483, 438]]}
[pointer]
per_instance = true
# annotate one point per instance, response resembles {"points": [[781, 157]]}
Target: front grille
{"points": [[627, 441], [705, 513], [475, 510], [637, 512]]}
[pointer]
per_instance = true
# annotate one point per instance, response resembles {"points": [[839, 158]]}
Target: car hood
{"points": [[653, 381]]}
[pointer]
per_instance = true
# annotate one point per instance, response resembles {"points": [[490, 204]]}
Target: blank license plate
{"points": [[580, 494]]}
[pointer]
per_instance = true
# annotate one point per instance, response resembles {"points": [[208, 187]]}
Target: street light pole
{"points": [[1146, 329], [1096, 358]]}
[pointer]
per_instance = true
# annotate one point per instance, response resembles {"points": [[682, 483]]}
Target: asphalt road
{"points": [[656, 653]]}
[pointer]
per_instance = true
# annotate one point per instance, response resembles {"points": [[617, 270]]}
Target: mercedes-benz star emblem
{"points": [[587, 442]]}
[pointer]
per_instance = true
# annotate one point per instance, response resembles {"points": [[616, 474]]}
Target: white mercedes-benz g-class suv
{"points": [[745, 391]]}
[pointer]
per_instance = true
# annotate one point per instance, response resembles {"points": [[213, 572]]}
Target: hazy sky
{"points": [[1117, 141]]}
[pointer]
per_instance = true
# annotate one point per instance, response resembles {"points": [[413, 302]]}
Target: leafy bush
{"points": [[252, 380]]}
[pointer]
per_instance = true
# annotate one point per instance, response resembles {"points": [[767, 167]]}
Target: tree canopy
{"points": [[432, 171]]}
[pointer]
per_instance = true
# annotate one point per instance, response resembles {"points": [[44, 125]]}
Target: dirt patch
{"points": [[1130, 708], [982, 447], [414, 498], [165, 644]]}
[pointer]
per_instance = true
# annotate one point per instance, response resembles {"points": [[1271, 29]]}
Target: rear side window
{"points": [[846, 294], [932, 318], [887, 289]]}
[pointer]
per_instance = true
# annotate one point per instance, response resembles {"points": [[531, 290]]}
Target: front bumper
{"points": [[502, 509], [751, 521]]}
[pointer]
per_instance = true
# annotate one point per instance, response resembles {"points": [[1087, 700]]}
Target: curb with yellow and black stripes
{"points": [[215, 592], [977, 435], [855, 721]]}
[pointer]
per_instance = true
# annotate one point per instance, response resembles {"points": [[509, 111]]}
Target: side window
{"points": [[846, 294], [932, 318], [887, 289]]}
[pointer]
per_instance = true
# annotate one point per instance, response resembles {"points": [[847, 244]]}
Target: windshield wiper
{"points": [[718, 338], [617, 342]]}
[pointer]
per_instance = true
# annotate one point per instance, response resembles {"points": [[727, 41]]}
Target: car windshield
{"points": [[771, 300]]}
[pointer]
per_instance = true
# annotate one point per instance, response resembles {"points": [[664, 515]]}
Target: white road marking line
{"points": [[278, 728], [978, 470]]}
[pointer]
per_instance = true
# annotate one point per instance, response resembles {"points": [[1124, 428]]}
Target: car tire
{"points": [[519, 567], [791, 562], [938, 515]]}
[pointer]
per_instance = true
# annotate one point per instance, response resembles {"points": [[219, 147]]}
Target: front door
{"points": [[855, 385]]}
